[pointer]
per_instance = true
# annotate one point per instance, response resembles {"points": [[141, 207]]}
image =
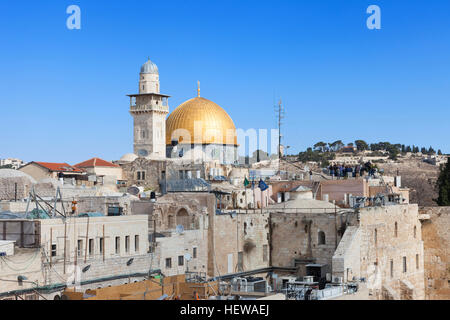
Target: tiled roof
{"points": [[58, 167], [95, 162]]}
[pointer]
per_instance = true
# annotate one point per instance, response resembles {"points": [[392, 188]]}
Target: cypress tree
{"points": [[443, 184]]}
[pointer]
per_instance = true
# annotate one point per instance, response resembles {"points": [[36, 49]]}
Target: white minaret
{"points": [[149, 109]]}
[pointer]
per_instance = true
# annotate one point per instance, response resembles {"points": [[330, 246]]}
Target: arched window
{"points": [[415, 231], [321, 237], [396, 230], [183, 218]]}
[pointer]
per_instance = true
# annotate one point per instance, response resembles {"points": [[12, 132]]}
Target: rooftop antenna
{"points": [[198, 89], [279, 110]]}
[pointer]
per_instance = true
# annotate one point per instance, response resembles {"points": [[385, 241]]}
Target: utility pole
{"points": [[279, 110]]}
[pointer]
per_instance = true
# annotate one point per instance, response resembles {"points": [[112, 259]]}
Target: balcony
{"points": [[148, 108]]}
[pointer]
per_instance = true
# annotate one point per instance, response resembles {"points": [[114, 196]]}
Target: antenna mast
{"points": [[279, 110]]}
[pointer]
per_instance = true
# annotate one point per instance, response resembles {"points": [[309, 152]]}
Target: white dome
{"points": [[149, 67], [129, 157]]}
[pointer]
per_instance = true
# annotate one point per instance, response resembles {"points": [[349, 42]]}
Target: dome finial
{"points": [[198, 89]]}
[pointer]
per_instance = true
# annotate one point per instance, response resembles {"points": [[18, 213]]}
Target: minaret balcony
{"points": [[149, 108]]}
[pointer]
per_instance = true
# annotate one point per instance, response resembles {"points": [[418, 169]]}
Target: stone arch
{"points": [[182, 218]]}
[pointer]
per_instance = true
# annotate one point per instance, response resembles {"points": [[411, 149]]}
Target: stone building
{"points": [[148, 173], [197, 130], [14, 184], [94, 252], [43, 170], [386, 249], [101, 172]]}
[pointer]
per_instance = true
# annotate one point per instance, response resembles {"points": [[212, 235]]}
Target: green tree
{"points": [[361, 145], [337, 145], [443, 185], [320, 146], [431, 151]]}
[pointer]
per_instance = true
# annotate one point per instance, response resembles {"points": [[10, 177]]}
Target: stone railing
{"points": [[147, 107]]}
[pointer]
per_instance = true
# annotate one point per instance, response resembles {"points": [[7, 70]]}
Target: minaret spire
{"points": [[198, 89]]}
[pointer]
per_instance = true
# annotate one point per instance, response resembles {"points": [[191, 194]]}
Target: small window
{"points": [[396, 230], [194, 253], [321, 237], [53, 250], [101, 245], [180, 260], [127, 244], [117, 245], [141, 175], [91, 247], [80, 247], [375, 236], [169, 263], [136, 243], [415, 232], [404, 265], [417, 261]]}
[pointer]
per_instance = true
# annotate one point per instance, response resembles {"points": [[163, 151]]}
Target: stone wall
{"points": [[174, 209], [153, 172], [192, 242], [295, 236], [347, 258], [238, 243], [436, 237], [392, 256]]}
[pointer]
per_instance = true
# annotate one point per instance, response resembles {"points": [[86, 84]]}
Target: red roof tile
{"points": [[59, 167], [96, 162]]}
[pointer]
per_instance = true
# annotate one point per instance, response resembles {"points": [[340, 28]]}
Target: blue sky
{"points": [[63, 92]]}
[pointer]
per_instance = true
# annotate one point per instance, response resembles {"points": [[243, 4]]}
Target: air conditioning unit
{"points": [[308, 279], [338, 279]]}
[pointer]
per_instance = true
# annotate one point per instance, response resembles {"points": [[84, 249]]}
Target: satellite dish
{"points": [[180, 229], [187, 256], [86, 268], [135, 190]]}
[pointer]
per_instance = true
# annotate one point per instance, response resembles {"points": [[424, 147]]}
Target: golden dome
{"points": [[216, 125]]}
